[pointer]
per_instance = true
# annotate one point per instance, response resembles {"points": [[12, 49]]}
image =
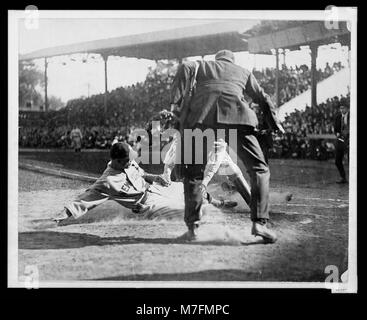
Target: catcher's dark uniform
{"points": [[218, 102]]}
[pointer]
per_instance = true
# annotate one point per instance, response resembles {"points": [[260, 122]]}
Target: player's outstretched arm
{"points": [[156, 178]]}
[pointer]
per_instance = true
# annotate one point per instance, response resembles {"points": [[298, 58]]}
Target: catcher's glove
{"points": [[168, 120]]}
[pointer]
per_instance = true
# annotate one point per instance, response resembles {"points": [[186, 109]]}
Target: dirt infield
{"points": [[111, 243]]}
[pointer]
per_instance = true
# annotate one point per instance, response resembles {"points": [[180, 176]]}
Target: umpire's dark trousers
{"points": [[249, 151], [340, 149]]}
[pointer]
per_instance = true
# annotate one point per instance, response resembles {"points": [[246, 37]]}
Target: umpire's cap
{"points": [[119, 150], [225, 55]]}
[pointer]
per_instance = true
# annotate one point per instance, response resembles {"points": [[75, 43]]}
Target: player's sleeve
{"points": [[140, 170]]}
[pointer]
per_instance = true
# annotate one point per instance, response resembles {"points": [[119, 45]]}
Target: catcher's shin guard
{"points": [[242, 187]]}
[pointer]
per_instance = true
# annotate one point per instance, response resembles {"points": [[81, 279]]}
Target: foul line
{"points": [[338, 200], [58, 173]]}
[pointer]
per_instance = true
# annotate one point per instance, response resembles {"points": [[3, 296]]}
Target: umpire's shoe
{"points": [[259, 228], [191, 234]]}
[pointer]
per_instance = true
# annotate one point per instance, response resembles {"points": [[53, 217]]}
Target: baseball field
{"points": [[111, 243]]}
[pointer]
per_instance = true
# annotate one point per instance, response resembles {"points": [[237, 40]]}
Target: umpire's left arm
{"points": [[254, 91], [180, 86]]}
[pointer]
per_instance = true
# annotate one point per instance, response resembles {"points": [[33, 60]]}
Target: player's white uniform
{"points": [[129, 189]]}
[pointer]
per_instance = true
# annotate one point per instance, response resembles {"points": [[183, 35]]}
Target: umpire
{"points": [[218, 103]]}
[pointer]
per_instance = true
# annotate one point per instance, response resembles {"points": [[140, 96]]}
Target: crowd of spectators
{"points": [[310, 122], [96, 137], [128, 108], [293, 80], [316, 120], [131, 107]]}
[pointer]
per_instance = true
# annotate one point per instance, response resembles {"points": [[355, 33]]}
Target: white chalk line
{"points": [[293, 213], [60, 173], [326, 199], [310, 205]]}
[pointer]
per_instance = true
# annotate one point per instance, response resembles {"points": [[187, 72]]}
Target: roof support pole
{"points": [[277, 97], [105, 58], [46, 98], [313, 48]]}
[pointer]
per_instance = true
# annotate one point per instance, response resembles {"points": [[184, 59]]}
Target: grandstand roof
{"points": [[293, 38], [167, 44]]}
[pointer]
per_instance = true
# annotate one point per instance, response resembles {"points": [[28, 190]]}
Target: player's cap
{"points": [[225, 55], [119, 150]]}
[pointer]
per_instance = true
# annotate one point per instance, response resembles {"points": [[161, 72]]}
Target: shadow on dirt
{"points": [[43, 240]]}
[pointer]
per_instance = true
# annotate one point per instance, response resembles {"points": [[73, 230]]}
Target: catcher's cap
{"points": [[225, 55], [119, 150]]}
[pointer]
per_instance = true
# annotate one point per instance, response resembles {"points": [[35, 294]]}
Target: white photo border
{"points": [[344, 13]]}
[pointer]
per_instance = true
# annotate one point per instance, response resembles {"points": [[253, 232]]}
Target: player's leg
{"points": [[80, 206], [157, 206]]}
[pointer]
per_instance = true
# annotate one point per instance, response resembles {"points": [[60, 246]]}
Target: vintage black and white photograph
{"points": [[182, 149]]}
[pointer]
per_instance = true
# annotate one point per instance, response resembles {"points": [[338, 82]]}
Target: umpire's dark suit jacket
{"points": [[219, 95]]}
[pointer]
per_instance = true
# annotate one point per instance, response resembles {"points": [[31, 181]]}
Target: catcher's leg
{"points": [[215, 159], [242, 187], [235, 175], [170, 159]]}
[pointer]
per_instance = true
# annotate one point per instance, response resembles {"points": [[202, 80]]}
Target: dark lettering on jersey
{"points": [[125, 187]]}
